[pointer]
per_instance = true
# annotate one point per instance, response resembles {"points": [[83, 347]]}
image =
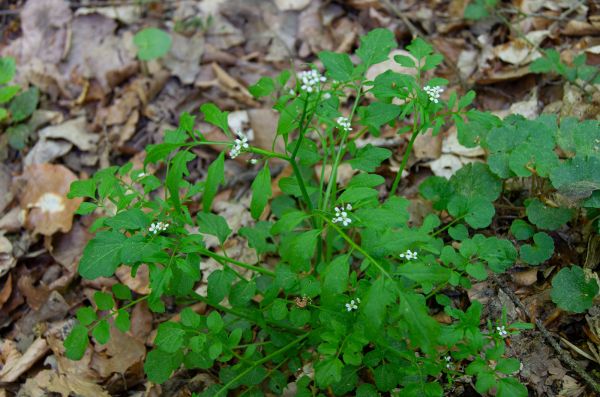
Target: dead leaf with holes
{"points": [[44, 198]]}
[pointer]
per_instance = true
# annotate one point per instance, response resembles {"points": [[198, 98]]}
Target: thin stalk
{"points": [[287, 347], [404, 162], [219, 258]]}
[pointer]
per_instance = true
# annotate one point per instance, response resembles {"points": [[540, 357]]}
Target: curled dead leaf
{"points": [[44, 197]]}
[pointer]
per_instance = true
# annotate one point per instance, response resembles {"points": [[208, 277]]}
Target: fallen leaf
{"points": [[44, 197], [140, 283], [7, 260], [46, 152], [6, 290], [35, 296], [183, 60], [121, 353], [427, 146], [74, 131], [127, 14], [48, 381], [18, 364], [6, 193], [291, 5], [520, 51]]}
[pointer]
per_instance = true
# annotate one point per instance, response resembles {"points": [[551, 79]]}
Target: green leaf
{"points": [[328, 371], [510, 387], [23, 105], [419, 48], [261, 192], [279, 310], [577, 178], [373, 306], [386, 377], [547, 218], [101, 256], [169, 337], [369, 158], [76, 343], [572, 290], [159, 365], [215, 225], [152, 43], [355, 194], [375, 46], [176, 171], [132, 219], [214, 178], [521, 229], [214, 322], [18, 135], [86, 208], [423, 329], [365, 180], [103, 300], [437, 190], [377, 114], [86, 315], [263, 87], [82, 188], [339, 66], [288, 222], [258, 237], [508, 365], [123, 321], [190, 318], [121, 292], [540, 252], [477, 271], [335, 277], [424, 273], [476, 11], [101, 332], [242, 293], [7, 69], [298, 249], [219, 285], [576, 137], [214, 116], [8, 92], [405, 60]]}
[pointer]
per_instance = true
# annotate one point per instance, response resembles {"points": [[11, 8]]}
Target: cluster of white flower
{"points": [[448, 362], [352, 305], [239, 145], [158, 227], [434, 93], [344, 124], [502, 331], [409, 255], [310, 80], [341, 215]]}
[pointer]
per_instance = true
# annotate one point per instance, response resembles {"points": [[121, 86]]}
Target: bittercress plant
{"points": [[349, 305]]}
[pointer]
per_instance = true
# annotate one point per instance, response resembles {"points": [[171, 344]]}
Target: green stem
{"points": [[268, 153], [219, 258], [404, 162], [287, 347]]}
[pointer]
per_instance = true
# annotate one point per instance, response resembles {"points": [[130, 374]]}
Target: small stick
{"points": [[563, 355]]}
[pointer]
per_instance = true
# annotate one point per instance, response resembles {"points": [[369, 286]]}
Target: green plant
{"points": [[355, 287], [15, 106], [152, 43]]}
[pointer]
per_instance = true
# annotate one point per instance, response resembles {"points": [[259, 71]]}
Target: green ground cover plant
{"points": [[349, 304]]}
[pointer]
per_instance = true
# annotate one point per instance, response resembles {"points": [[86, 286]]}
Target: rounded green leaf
{"points": [[123, 321], [544, 217], [152, 43], [76, 342], [104, 301], [86, 315], [540, 252], [101, 332], [572, 290], [23, 105], [521, 229], [7, 69]]}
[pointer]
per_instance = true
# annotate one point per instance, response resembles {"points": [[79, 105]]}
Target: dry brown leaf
{"points": [[344, 173], [66, 248], [141, 321], [450, 145], [36, 296], [74, 131], [6, 193], [6, 290], [127, 14], [264, 126], [45, 198], [121, 353], [7, 260], [47, 382], [291, 5], [140, 283], [525, 278], [427, 146], [183, 60], [46, 152], [17, 364], [519, 51]]}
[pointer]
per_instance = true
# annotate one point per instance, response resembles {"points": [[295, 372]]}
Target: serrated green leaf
{"points": [[510, 387], [101, 256], [572, 290], [219, 285], [258, 237], [214, 178], [508, 365], [355, 194], [263, 87], [152, 43], [214, 322], [279, 310], [328, 371], [419, 48], [338, 65], [159, 365], [131, 219], [375, 46], [214, 116], [169, 337], [82, 188], [369, 158], [377, 114], [215, 225], [261, 192]]}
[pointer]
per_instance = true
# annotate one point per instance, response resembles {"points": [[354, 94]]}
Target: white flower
{"points": [[158, 227], [292, 92], [311, 80], [253, 161], [141, 175], [341, 215], [409, 255], [352, 305], [448, 362], [326, 95], [344, 124], [434, 93], [502, 331], [240, 144]]}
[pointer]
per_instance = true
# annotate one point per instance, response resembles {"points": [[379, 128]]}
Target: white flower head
{"points": [[448, 362], [352, 305], [240, 144], [253, 161], [344, 124], [434, 93], [502, 331], [311, 80], [409, 255], [326, 95], [341, 215], [158, 227]]}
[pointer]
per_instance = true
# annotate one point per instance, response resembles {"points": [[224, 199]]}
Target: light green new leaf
{"points": [[152, 43], [214, 116], [375, 46], [263, 87], [339, 66], [572, 290], [7, 69]]}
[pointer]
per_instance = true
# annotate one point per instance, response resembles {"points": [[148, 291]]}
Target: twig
{"points": [[563, 355]]}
